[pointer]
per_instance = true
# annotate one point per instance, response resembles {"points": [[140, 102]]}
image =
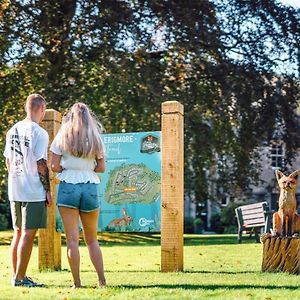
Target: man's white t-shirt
{"points": [[26, 143]]}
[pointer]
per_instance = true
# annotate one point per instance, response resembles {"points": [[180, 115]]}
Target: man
{"points": [[28, 185]]}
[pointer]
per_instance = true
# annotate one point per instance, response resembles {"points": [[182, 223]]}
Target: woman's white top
{"points": [[75, 169]]}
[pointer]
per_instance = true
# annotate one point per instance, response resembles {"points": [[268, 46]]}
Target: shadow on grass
{"points": [[207, 240], [150, 239], [184, 272], [144, 239], [208, 286], [220, 272], [189, 286]]}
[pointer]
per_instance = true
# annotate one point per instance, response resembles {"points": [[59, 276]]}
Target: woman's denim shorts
{"points": [[82, 196]]}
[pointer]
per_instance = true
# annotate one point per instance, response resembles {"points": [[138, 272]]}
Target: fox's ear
{"points": [[124, 211], [279, 174], [295, 174]]}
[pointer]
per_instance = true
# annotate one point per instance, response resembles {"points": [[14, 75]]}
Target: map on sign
{"points": [[132, 183], [130, 188]]}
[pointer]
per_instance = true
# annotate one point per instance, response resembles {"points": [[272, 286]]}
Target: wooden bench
{"points": [[253, 218]]}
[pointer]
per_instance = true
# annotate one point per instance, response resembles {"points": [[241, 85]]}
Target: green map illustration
{"points": [[132, 183]]}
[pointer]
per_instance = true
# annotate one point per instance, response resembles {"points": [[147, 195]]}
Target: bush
{"points": [[198, 225], [230, 229], [198, 222], [216, 224], [225, 221], [188, 225], [228, 218], [5, 219], [3, 222]]}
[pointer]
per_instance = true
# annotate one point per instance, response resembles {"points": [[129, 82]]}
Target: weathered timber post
{"points": [[49, 240], [281, 254], [172, 212]]}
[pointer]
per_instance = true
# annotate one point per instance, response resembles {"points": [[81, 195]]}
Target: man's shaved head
{"points": [[34, 101]]}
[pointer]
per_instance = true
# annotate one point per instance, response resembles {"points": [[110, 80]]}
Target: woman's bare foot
{"points": [[102, 283], [76, 285]]}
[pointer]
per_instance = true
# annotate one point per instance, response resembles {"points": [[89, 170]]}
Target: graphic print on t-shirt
{"points": [[17, 141]]}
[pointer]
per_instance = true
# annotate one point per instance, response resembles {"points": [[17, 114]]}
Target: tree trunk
{"points": [[281, 254]]}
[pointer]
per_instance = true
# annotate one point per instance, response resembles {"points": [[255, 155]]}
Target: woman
{"points": [[77, 155]]}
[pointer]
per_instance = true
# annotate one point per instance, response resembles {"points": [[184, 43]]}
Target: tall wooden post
{"points": [[172, 212], [49, 240]]}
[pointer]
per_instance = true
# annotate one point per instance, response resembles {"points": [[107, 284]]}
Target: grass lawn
{"points": [[215, 267]]}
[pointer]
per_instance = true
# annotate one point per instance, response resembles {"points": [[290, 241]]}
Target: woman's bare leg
{"points": [[70, 220], [90, 224]]}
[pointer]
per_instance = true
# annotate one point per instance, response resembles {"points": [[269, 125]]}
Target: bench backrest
{"points": [[252, 215]]}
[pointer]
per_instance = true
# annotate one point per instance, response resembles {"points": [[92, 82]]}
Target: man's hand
{"points": [[48, 199]]}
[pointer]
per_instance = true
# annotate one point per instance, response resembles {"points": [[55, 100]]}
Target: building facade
{"points": [[272, 158]]}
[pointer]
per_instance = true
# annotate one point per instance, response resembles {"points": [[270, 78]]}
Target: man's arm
{"points": [[44, 177], [44, 173], [7, 162]]}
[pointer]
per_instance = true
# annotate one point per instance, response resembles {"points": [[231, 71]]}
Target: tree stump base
{"points": [[281, 254]]}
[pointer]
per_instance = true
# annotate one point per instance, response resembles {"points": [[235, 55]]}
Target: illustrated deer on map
{"points": [[121, 222]]}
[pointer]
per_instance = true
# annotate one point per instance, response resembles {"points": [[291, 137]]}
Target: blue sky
{"points": [[295, 3]]}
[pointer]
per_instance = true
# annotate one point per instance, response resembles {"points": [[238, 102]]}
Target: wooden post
{"points": [[172, 211], [49, 240]]}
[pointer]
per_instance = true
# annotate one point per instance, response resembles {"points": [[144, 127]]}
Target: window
{"points": [[224, 201], [277, 155]]}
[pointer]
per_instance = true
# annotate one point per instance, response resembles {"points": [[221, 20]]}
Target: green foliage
{"points": [[3, 222], [124, 58], [228, 218], [225, 221], [5, 218], [198, 222], [188, 225], [198, 225], [193, 225], [216, 224]]}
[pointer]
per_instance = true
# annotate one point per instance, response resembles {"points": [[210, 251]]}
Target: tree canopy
{"points": [[234, 64]]}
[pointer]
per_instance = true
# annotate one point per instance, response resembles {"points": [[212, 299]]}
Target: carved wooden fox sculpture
{"points": [[286, 222]]}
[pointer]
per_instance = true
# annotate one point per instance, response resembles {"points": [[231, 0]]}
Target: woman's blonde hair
{"points": [[80, 133]]}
